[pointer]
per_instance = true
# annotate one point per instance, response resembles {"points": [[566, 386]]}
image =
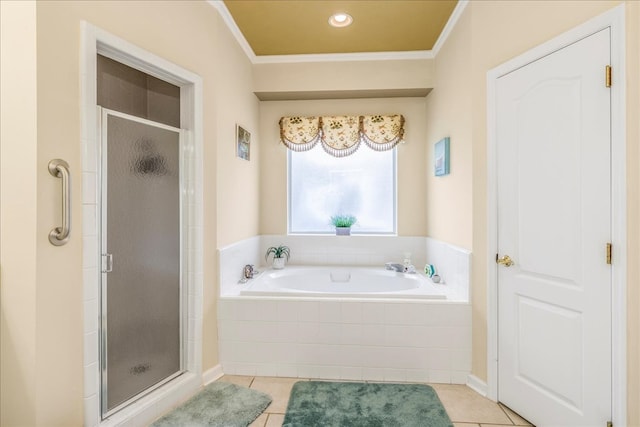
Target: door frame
{"points": [[613, 19], [96, 41]]}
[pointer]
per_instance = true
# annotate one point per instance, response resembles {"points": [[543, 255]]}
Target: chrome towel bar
{"points": [[60, 235]]}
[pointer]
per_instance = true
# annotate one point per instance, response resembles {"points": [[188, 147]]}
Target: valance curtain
{"points": [[341, 135]]}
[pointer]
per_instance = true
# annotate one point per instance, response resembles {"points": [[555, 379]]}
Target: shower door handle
{"points": [[60, 235], [108, 263]]}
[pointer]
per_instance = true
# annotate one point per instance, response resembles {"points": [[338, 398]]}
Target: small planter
{"points": [[343, 231], [278, 263]]}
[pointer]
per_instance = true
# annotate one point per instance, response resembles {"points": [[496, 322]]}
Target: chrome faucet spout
{"points": [[394, 267]]}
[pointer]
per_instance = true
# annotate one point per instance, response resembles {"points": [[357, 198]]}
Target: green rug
{"points": [[219, 404], [335, 404]]}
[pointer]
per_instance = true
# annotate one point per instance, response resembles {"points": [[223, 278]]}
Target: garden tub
{"points": [[343, 282]]}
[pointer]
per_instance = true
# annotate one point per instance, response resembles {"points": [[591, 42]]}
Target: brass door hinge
{"points": [[607, 76], [609, 424], [608, 253]]}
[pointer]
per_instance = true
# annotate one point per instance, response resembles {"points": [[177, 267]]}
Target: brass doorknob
{"points": [[505, 260]]}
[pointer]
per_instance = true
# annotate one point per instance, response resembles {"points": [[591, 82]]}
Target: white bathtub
{"points": [[342, 282]]}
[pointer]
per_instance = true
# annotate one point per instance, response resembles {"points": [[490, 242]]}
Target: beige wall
{"points": [[488, 34], [633, 212], [449, 113], [411, 157], [350, 75], [18, 213], [42, 294]]}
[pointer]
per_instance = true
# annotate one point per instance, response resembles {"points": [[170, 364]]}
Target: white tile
{"points": [[459, 377], [329, 311], [351, 312], [89, 220], [266, 369], [372, 374], [351, 334], [245, 369], [373, 313], [400, 336], [461, 360], [91, 379], [287, 311], [372, 335], [288, 370], [308, 333], [91, 311], [308, 311], [90, 348], [438, 376], [89, 180], [91, 411], [90, 283], [350, 373], [90, 252], [417, 375], [287, 332], [330, 333], [439, 358], [394, 374], [226, 309], [328, 372]]}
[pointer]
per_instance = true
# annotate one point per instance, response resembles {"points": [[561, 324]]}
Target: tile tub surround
{"points": [[354, 339], [351, 340], [452, 263]]}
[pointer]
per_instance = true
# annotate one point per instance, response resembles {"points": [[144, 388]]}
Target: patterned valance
{"points": [[341, 135]]}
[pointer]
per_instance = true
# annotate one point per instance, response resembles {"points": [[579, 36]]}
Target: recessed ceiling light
{"points": [[340, 20]]}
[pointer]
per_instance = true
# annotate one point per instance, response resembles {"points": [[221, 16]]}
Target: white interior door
{"points": [[554, 222]]}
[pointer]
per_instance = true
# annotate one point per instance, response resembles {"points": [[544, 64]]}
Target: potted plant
{"points": [[343, 224], [279, 253]]}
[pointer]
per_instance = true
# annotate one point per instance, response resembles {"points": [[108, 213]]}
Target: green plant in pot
{"points": [[279, 254], [343, 224]]}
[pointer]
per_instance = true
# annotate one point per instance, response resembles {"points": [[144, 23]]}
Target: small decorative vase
{"points": [[343, 231], [278, 263]]}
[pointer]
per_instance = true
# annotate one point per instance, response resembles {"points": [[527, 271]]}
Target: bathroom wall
{"points": [[411, 157], [494, 32], [287, 78], [42, 285], [449, 198], [18, 212]]}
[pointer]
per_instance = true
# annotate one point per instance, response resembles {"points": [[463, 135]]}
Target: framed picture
{"points": [[243, 143], [441, 157]]}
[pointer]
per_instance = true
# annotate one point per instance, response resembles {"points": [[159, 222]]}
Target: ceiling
{"points": [[296, 27]]}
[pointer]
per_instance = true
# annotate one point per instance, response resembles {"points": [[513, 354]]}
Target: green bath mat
{"points": [[336, 404], [219, 404]]}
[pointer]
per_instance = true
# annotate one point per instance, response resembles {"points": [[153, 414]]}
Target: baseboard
{"points": [[212, 374], [477, 385]]}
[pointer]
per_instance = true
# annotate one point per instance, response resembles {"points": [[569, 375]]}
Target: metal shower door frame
{"points": [[102, 115]]}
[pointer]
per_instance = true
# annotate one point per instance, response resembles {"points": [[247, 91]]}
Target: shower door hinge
{"points": [[607, 76], [608, 255]]}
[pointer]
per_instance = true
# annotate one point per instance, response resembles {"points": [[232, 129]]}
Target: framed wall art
{"points": [[243, 143], [441, 157]]}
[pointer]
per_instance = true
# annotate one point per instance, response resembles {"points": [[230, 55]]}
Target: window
{"points": [[362, 184]]}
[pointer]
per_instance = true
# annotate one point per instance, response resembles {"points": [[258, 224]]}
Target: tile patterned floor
{"points": [[465, 407]]}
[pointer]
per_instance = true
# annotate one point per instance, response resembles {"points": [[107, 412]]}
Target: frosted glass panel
{"points": [[143, 235]]}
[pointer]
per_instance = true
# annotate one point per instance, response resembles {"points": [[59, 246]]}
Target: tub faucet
{"points": [[248, 271], [394, 267], [400, 268]]}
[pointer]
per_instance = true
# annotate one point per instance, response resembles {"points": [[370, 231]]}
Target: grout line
{"points": [[251, 382], [506, 413]]}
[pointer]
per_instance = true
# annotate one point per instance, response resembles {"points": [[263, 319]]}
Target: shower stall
{"points": [[142, 297]]}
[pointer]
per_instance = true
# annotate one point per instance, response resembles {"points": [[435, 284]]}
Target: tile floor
{"points": [[465, 407]]}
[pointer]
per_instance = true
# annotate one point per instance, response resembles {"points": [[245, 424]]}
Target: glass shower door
{"points": [[141, 333]]}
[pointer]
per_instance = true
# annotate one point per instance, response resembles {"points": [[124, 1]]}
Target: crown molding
{"points": [[337, 57], [233, 27], [451, 23]]}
